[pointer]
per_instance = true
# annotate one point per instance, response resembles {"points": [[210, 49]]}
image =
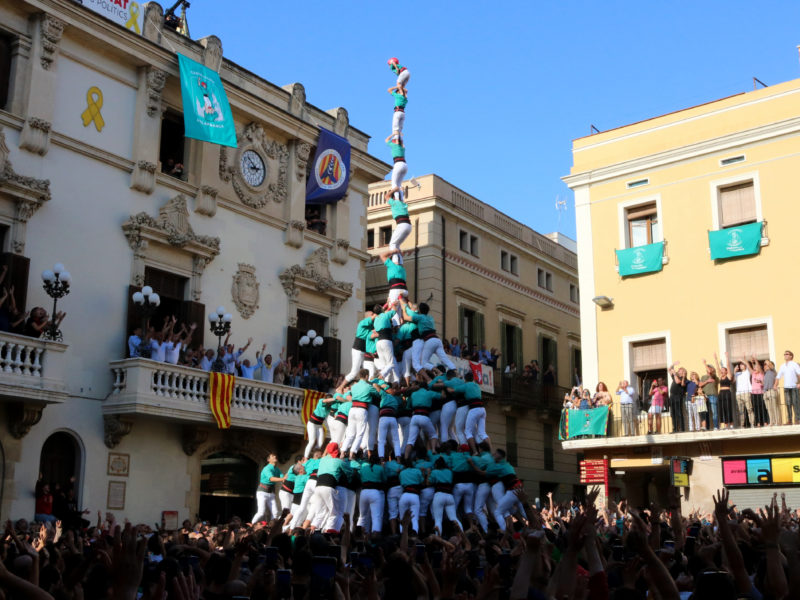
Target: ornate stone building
{"points": [[95, 172]]}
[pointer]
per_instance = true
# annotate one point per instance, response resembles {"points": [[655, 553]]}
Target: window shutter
{"points": [[737, 204], [461, 331], [518, 346], [748, 341], [334, 348], [503, 349], [650, 355], [480, 337], [194, 312], [293, 334], [642, 212]]}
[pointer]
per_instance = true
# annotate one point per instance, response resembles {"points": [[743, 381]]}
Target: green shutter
{"points": [[518, 347], [555, 363], [503, 349], [480, 336], [461, 331]]}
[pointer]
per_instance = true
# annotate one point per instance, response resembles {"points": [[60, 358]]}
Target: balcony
{"points": [[180, 394], [32, 377], [514, 392]]}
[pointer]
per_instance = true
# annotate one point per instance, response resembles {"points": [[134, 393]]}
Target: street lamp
{"points": [[56, 284], [311, 342], [146, 301], [220, 326]]}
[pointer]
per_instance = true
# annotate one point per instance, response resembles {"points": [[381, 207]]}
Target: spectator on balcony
{"points": [[549, 377], [725, 396], [511, 369], [178, 341], [44, 502], [38, 322], [602, 397], [627, 397], [135, 342], [790, 373], [677, 392], [658, 390], [268, 366], [484, 356], [709, 383], [760, 415], [771, 395], [692, 413], [495, 354], [536, 371], [586, 400], [207, 360], [248, 370], [231, 357], [455, 347], [11, 318], [744, 389]]}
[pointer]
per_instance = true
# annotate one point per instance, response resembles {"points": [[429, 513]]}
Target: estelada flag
{"points": [[310, 398], [220, 392]]}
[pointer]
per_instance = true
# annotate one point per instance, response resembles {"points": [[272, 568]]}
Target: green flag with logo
{"points": [[641, 259], [735, 241], [575, 423], [206, 113]]}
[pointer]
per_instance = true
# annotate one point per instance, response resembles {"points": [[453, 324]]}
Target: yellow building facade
{"points": [[492, 281], [681, 179]]}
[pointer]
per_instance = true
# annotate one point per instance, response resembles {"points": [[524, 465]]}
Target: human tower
{"points": [[405, 434]]}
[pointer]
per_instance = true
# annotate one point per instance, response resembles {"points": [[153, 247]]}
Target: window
{"points": [[171, 151], [731, 161], [509, 262], [577, 366], [504, 260], [574, 294], [744, 342], [511, 345], [648, 362], [642, 224], [547, 431], [513, 265], [385, 235], [511, 440], [548, 355], [544, 279], [370, 238], [737, 204], [470, 329], [468, 242], [638, 183], [473, 245], [5, 69]]}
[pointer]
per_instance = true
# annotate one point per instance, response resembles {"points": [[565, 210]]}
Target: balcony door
{"points": [[60, 461], [228, 484]]}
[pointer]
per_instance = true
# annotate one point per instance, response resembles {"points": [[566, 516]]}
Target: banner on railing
{"points": [[575, 423], [220, 392], [482, 374], [641, 259], [310, 398], [735, 241]]}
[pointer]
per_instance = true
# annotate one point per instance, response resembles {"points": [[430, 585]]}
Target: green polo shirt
{"points": [[399, 208], [393, 271], [400, 101]]}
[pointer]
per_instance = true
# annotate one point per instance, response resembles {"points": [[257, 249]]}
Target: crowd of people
{"points": [[33, 323], [745, 393], [568, 550]]}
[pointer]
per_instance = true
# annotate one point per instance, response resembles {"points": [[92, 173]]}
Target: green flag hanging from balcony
{"points": [[575, 423], [735, 241], [641, 259]]}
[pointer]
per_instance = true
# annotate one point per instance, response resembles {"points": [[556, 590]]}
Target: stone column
{"points": [[294, 211], [147, 128]]}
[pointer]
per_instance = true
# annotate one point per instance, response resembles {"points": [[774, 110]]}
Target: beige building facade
{"points": [[493, 282], [105, 197]]}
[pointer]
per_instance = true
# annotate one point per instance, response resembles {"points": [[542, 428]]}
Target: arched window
{"points": [[228, 484], [61, 461]]}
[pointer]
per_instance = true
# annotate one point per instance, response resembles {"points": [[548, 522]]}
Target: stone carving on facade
{"points": [[297, 100], [212, 52], [275, 187], [340, 251], [114, 429], [341, 122], [156, 78], [206, 201], [22, 416], [153, 22], [51, 29], [192, 438], [143, 178], [245, 290], [302, 151], [294, 233], [35, 136]]}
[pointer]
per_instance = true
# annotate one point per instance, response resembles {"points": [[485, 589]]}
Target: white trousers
{"points": [[446, 419], [286, 499], [405, 424], [399, 235], [476, 425], [464, 494], [425, 500], [395, 293], [393, 500], [693, 416], [461, 424], [434, 346], [420, 423], [409, 501], [300, 515], [337, 429], [407, 362], [356, 429], [356, 360], [403, 77], [373, 419], [416, 354], [323, 504], [370, 510], [399, 171], [341, 504], [369, 365], [398, 120], [267, 507], [508, 505], [388, 365], [444, 503], [316, 437], [498, 491], [482, 493], [387, 427]]}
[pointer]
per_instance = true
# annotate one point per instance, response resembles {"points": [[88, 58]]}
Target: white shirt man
{"points": [[790, 371], [268, 370], [230, 360], [133, 346], [159, 350], [743, 385], [205, 362], [173, 352], [626, 395], [249, 370]]}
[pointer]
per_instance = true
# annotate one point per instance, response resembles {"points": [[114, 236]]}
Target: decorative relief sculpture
{"points": [[245, 290]]}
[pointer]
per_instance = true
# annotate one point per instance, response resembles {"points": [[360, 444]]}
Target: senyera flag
{"points": [[206, 113], [310, 398], [220, 392], [330, 171]]}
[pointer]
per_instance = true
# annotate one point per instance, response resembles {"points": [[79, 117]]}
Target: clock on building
{"points": [[252, 168]]}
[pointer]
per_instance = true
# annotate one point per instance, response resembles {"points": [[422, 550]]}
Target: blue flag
{"points": [[330, 171], [206, 113], [735, 241]]}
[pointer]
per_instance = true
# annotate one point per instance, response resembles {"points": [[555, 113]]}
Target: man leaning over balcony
{"points": [[626, 395], [790, 372]]}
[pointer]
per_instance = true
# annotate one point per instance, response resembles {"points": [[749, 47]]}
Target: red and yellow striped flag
{"points": [[220, 392], [310, 398]]}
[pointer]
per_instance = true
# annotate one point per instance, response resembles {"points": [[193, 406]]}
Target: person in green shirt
{"points": [[399, 117], [287, 487], [427, 331], [421, 402], [412, 480], [337, 418], [403, 74], [363, 329], [441, 478], [384, 334], [387, 424], [310, 467], [402, 227], [396, 277], [405, 336], [316, 434], [371, 498], [265, 495], [481, 462], [475, 427], [356, 433], [400, 168]]}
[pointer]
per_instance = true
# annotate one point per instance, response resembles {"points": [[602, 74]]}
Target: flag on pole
{"points": [[207, 115], [220, 392], [310, 398]]}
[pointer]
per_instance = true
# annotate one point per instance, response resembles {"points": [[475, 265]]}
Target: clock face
{"points": [[253, 168]]}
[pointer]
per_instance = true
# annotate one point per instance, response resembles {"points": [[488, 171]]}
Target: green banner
{"points": [[735, 241], [641, 259], [575, 423], [206, 113]]}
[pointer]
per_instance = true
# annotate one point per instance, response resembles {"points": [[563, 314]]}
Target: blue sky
{"points": [[499, 90]]}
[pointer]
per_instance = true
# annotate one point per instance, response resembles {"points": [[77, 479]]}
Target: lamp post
{"points": [[146, 302], [56, 284], [311, 342], [220, 326]]}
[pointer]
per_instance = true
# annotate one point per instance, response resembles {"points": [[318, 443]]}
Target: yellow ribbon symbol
{"points": [[133, 22], [94, 99]]}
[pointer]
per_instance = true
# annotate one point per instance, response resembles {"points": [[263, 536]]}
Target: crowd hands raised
{"points": [[557, 551], [34, 323]]}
